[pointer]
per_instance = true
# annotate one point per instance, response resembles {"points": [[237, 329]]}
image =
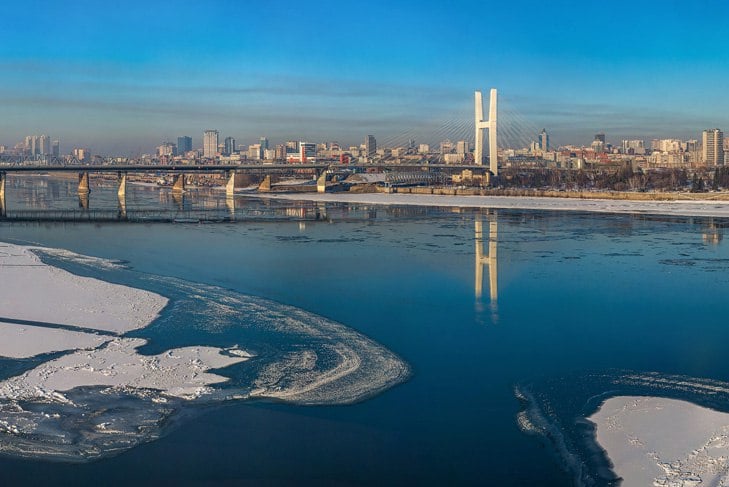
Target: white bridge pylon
{"points": [[482, 125]]}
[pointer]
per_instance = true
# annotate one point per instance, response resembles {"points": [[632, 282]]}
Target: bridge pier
{"points": [[83, 184], [321, 183], [179, 184], [3, 177], [122, 192], [265, 185], [230, 186]]}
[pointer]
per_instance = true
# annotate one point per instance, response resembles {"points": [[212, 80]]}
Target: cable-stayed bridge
{"points": [[515, 130]]}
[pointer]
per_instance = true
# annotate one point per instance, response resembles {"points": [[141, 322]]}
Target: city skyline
{"points": [[122, 79]]}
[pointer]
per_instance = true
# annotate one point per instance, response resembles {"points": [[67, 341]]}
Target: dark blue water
{"points": [[578, 294]]}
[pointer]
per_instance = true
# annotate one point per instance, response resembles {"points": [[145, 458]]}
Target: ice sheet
{"points": [[664, 442]]}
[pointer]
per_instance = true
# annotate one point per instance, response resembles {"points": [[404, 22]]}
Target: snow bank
{"points": [[680, 208]]}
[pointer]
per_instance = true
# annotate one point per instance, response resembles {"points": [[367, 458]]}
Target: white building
{"points": [[210, 143], [713, 147]]}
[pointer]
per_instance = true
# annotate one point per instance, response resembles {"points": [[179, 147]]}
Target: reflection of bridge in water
{"points": [[398, 174], [488, 261]]}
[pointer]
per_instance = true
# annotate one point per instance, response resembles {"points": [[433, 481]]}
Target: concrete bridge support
{"points": [[265, 185], [122, 192], [3, 177], [321, 183], [230, 185], [179, 184], [489, 125], [83, 184]]}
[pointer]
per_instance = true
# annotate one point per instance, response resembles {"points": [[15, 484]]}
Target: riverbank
{"points": [[703, 207]]}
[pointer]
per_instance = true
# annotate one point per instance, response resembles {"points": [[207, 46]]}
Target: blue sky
{"points": [[123, 78]]}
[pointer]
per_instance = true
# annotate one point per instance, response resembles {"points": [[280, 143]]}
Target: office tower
{"points": [[210, 143], [184, 144], [462, 147], [280, 152], [56, 148], [264, 143], [44, 145], [600, 137], [307, 152], [446, 147], [544, 140], [713, 152], [254, 152], [370, 146], [32, 145], [167, 149], [633, 147], [229, 146]]}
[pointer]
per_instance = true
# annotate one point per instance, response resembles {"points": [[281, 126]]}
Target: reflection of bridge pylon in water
{"points": [[712, 234], [490, 260]]}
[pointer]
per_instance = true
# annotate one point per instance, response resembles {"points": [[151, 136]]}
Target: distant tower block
{"points": [[489, 124]]}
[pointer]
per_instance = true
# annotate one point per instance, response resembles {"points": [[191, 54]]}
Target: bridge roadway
{"points": [[187, 168]]}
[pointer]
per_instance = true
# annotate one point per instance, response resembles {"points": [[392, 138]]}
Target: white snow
{"points": [[24, 341], [38, 304], [33, 291], [664, 442], [682, 208], [181, 372]]}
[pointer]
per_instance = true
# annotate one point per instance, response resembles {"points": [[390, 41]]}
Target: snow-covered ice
{"points": [[33, 291], [705, 207], [664, 442]]}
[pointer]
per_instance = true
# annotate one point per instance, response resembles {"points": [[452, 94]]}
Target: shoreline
{"points": [[702, 208]]}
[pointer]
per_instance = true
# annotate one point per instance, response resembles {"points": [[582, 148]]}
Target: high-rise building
{"points": [[307, 152], [32, 145], [446, 147], [370, 146], [254, 152], [44, 145], [544, 140], [167, 149], [56, 148], [462, 147], [229, 146], [210, 143], [280, 152], [600, 137], [264, 143], [184, 144], [633, 147], [713, 152], [424, 148]]}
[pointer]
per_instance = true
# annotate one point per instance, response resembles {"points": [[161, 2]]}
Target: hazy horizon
{"points": [[123, 79]]}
